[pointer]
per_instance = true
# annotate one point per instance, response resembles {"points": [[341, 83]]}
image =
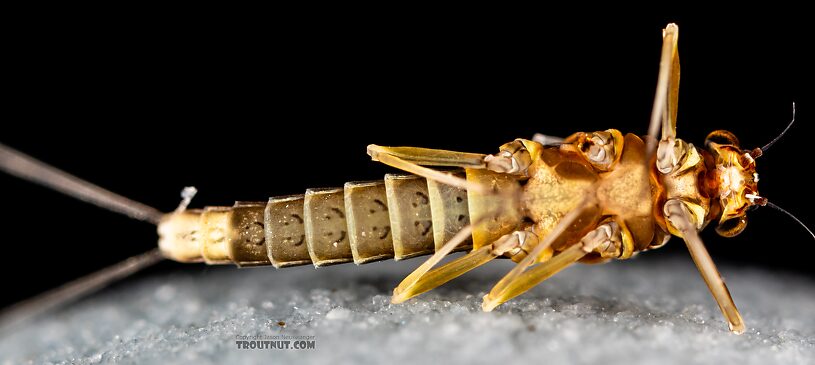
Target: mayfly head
{"points": [[733, 180]]}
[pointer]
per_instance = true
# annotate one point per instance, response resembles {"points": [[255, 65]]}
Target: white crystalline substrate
{"points": [[639, 311]]}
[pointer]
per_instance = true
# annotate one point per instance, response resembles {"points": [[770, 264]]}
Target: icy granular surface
{"points": [[639, 311]]}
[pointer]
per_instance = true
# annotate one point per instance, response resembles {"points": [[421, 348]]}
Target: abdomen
{"points": [[399, 217]]}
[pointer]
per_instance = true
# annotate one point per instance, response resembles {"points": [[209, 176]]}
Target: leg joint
{"points": [[606, 240], [513, 158], [601, 149]]}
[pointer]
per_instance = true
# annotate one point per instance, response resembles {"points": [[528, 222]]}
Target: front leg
{"points": [[669, 150], [682, 220], [663, 115]]}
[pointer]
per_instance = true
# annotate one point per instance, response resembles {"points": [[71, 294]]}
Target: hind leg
{"points": [[513, 158], [411, 159], [423, 279]]}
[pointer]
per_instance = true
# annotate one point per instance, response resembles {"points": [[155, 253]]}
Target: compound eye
{"points": [[722, 137], [732, 227]]}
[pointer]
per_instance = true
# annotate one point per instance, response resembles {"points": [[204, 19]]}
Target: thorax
{"points": [[686, 183], [560, 179]]}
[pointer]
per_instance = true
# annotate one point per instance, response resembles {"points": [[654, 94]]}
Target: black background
{"points": [[249, 108]]}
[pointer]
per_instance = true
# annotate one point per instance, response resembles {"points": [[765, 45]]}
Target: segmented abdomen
{"points": [[401, 217]]}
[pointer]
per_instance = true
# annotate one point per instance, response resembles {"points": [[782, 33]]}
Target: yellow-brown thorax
{"points": [[627, 192]]}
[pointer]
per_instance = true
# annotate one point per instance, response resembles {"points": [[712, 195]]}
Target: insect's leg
{"points": [[423, 279], [680, 217], [409, 159], [546, 140], [663, 114], [519, 281], [430, 157], [514, 157], [422, 270], [498, 293], [602, 149]]}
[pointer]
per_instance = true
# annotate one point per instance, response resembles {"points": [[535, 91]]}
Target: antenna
{"points": [[768, 145], [791, 216]]}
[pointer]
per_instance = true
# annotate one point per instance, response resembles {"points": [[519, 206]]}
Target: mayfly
{"points": [[544, 203]]}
